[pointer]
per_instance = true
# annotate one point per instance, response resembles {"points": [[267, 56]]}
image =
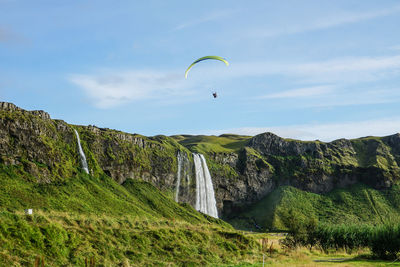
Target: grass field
{"points": [[86, 218], [305, 257]]}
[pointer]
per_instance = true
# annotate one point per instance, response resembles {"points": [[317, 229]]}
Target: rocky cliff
{"points": [[244, 169], [47, 149], [268, 161]]}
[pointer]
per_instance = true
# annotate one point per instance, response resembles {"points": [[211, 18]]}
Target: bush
{"points": [[301, 230], [385, 241]]}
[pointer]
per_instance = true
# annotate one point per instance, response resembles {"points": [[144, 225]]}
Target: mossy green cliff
{"points": [[245, 169]]}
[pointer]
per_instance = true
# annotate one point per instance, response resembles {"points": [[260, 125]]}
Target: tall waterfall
{"points": [[178, 175], [205, 199], [82, 155]]}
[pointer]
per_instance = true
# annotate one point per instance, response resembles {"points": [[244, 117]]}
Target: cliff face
{"points": [[268, 161], [319, 167], [30, 140], [47, 149], [244, 169]]}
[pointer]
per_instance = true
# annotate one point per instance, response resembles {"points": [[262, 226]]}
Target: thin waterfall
{"points": [[205, 198], [178, 175], [199, 180], [82, 155]]}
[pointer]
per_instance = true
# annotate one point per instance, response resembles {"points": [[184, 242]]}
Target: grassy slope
{"points": [[358, 203], [81, 193], [204, 144], [83, 217]]}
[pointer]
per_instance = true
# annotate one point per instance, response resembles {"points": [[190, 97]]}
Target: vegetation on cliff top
{"points": [[204, 144]]}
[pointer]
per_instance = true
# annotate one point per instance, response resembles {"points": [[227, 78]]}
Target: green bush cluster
{"points": [[383, 240]]}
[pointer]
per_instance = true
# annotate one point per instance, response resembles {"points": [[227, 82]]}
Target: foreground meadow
{"points": [[274, 254]]}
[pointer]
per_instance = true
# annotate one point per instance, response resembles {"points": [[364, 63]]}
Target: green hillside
{"points": [[205, 144], [84, 217], [356, 204], [123, 213]]}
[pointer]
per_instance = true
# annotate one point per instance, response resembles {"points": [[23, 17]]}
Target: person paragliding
{"points": [[206, 58]]}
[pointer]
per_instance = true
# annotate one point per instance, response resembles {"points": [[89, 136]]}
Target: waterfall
{"points": [[82, 155], [183, 187], [205, 199], [178, 175]]}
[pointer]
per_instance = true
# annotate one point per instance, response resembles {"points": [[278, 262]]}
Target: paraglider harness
{"points": [[214, 94]]}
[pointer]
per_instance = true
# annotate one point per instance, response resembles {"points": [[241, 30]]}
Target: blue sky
{"points": [[301, 69]]}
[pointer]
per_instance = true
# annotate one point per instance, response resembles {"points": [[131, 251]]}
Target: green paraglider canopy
{"points": [[205, 58]]}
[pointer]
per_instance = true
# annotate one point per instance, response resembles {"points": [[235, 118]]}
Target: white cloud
{"points": [[335, 71], [113, 88], [324, 132], [329, 96], [358, 97], [328, 21], [301, 92], [348, 78], [345, 65]]}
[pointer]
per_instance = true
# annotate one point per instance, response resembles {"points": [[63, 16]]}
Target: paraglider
{"points": [[205, 58]]}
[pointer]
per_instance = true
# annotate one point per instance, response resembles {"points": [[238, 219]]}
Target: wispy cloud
{"points": [[357, 97], [347, 65], [340, 70], [329, 21], [110, 89], [301, 92], [329, 96], [207, 18], [340, 74], [323, 132]]}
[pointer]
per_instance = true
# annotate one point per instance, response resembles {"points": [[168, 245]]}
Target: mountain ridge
{"points": [[244, 169]]}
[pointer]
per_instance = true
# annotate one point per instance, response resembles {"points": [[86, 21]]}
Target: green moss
{"points": [[213, 144], [221, 170], [356, 204], [150, 155]]}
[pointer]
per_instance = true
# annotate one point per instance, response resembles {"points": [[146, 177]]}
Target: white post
{"points": [[28, 211]]}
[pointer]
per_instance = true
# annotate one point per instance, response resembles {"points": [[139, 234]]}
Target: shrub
{"points": [[385, 241]]}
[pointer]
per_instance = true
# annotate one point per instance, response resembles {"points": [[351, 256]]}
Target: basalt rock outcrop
{"points": [[47, 149], [268, 161], [243, 171]]}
